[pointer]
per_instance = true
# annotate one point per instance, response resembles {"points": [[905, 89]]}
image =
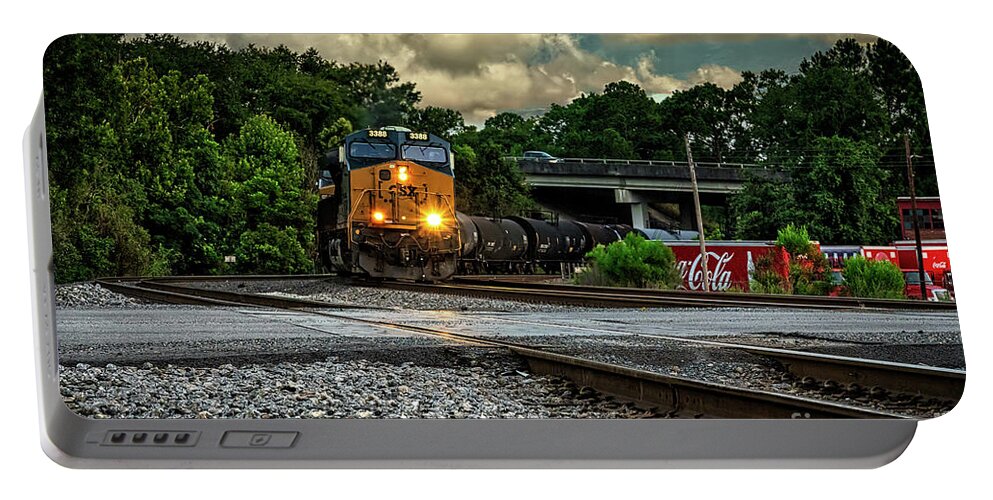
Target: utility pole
{"points": [[913, 212], [699, 215]]}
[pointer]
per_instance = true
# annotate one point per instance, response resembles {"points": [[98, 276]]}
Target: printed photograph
{"points": [[513, 226]]}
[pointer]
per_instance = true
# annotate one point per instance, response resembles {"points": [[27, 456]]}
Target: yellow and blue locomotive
{"points": [[387, 206]]}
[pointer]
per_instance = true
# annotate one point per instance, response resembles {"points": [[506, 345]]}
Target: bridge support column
{"points": [[639, 215], [639, 207]]}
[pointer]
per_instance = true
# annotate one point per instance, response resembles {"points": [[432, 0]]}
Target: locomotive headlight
{"points": [[434, 220], [378, 216], [402, 175]]}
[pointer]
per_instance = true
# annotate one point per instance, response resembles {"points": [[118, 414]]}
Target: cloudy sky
{"points": [[481, 75]]}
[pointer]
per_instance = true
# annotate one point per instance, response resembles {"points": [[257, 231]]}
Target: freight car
{"points": [[521, 245]]}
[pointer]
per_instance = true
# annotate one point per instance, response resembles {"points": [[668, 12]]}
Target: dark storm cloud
{"points": [[481, 75]]}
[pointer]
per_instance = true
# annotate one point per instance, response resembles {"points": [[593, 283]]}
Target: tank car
{"points": [[499, 246], [521, 245], [387, 207], [552, 243]]}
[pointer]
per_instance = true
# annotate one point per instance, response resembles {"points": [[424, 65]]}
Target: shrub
{"points": [[803, 270], [810, 273], [633, 261], [794, 239], [879, 279], [809, 270], [271, 250], [766, 278]]}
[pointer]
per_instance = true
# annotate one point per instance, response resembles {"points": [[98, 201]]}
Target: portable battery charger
{"points": [[273, 251]]}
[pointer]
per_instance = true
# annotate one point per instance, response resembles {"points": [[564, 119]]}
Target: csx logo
{"points": [[406, 190]]}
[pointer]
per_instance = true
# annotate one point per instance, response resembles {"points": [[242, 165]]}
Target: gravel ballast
{"points": [[91, 295], [330, 389], [342, 291]]}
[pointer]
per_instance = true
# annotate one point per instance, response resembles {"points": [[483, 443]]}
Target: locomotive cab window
{"points": [[429, 154], [377, 150]]}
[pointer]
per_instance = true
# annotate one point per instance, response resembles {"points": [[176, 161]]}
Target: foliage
{"points": [[794, 239], [268, 249], [768, 275], [841, 194], [762, 207], [439, 121], [141, 166], [873, 278], [622, 122], [713, 233], [796, 266], [633, 261], [267, 197], [810, 273], [155, 169], [487, 184], [809, 270], [705, 112]]}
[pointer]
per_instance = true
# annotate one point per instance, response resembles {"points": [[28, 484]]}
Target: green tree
{"points": [[268, 249], [513, 133], [380, 97], [840, 195], [809, 271], [271, 209], [762, 207], [896, 80], [439, 121], [622, 122], [131, 167], [703, 112], [488, 184]]}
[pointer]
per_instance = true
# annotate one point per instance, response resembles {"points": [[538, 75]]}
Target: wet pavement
{"points": [[179, 332]]}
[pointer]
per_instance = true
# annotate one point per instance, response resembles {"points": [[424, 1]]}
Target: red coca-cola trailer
{"points": [[730, 264], [882, 253], [904, 255], [935, 256]]}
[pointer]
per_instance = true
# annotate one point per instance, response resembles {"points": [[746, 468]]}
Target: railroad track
{"points": [[673, 395], [169, 292], [515, 289], [534, 288]]}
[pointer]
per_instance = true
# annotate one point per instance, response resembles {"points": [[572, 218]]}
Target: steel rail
{"points": [[678, 396], [932, 382], [592, 298], [728, 298], [218, 277], [928, 381], [170, 291]]}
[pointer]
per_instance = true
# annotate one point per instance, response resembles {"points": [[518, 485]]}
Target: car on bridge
{"points": [[540, 156]]}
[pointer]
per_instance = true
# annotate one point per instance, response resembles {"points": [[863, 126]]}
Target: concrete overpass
{"points": [[634, 184]]}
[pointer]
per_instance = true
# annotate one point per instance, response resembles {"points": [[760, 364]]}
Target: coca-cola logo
{"points": [[717, 270], [940, 265]]}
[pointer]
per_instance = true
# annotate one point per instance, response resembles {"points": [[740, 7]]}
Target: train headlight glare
{"points": [[402, 175], [378, 216], [434, 220]]}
